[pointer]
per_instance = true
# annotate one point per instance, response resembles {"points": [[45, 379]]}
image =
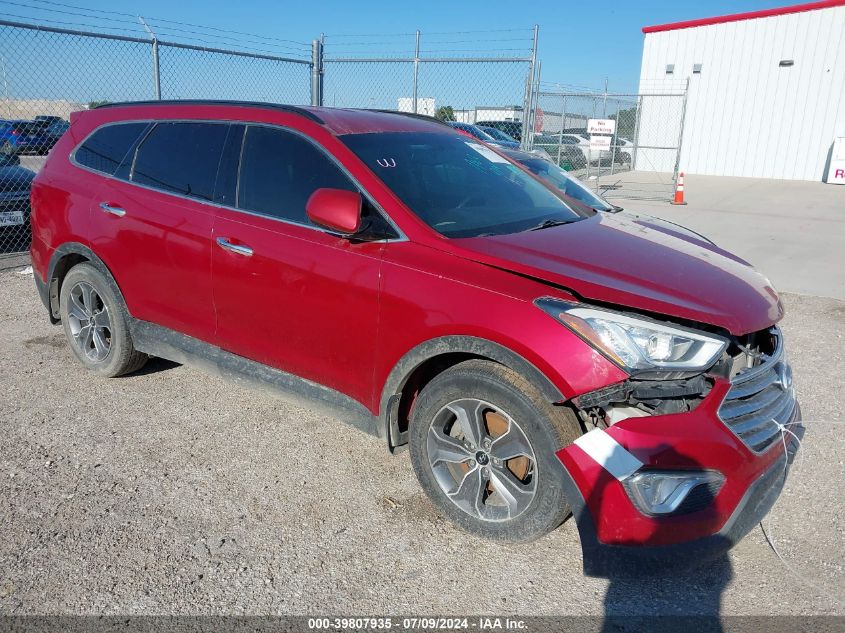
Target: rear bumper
{"points": [[618, 540]]}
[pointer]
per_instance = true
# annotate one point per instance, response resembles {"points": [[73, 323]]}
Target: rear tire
{"points": [[96, 323], [494, 473]]}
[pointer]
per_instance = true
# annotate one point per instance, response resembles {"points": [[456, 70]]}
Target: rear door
{"points": [[152, 222], [287, 293]]}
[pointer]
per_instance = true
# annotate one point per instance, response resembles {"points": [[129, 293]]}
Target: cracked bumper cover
{"points": [[617, 539]]}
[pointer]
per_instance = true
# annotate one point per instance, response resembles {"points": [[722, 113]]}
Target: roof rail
{"points": [[414, 115], [308, 114]]}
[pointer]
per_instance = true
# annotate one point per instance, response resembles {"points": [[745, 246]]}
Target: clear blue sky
{"points": [[581, 43]]}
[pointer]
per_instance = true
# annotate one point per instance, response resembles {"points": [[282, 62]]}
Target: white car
{"points": [[593, 156], [624, 150]]}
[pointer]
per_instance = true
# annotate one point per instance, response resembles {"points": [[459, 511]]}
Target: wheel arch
{"points": [[63, 259], [425, 361]]}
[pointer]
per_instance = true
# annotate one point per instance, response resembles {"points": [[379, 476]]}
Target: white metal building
{"points": [[766, 92], [489, 113]]}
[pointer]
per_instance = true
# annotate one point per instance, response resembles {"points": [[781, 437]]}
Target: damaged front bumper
{"points": [[618, 536]]}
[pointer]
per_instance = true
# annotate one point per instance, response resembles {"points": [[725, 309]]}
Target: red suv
{"points": [[538, 357]]}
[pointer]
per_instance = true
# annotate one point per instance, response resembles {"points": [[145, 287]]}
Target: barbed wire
{"points": [[127, 24]]}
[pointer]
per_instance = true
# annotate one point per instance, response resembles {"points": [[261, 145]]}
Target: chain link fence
{"points": [[468, 77], [641, 160], [487, 78], [48, 72]]}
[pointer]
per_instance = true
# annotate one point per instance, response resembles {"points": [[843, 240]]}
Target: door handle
{"points": [[118, 211], [222, 242]]}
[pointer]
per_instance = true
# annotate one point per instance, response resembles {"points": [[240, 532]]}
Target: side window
{"points": [[106, 148], [181, 158], [226, 189], [279, 172]]}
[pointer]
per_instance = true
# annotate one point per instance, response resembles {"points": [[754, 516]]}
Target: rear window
{"points": [[181, 158], [106, 148]]}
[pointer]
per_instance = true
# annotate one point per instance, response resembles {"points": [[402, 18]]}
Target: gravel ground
{"points": [[173, 492]]}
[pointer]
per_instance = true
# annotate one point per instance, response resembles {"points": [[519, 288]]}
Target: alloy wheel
{"points": [[90, 324], [482, 460]]}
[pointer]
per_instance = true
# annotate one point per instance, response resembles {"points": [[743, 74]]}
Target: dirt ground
{"points": [[173, 492]]}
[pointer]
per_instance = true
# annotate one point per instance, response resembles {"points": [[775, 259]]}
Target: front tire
{"points": [[96, 324], [483, 442]]}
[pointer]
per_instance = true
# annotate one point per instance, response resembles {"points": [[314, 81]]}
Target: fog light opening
{"points": [[661, 493]]}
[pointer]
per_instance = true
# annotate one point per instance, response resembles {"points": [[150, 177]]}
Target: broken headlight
{"points": [[637, 344]]}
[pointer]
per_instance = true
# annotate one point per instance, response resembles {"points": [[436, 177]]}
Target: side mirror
{"points": [[335, 209]]}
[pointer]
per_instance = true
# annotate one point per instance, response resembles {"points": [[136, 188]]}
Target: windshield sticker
{"points": [[386, 162], [488, 153]]}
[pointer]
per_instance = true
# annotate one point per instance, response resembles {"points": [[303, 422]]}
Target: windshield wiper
{"points": [[547, 224]]}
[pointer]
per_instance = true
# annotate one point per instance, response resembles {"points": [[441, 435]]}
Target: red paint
{"points": [[335, 209], [695, 441], [159, 252], [634, 262], [342, 313], [750, 15]]}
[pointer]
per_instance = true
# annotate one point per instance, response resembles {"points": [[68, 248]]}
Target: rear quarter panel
{"points": [[61, 198]]}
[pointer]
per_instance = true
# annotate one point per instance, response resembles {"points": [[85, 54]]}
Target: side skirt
{"points": [[163, 342]]}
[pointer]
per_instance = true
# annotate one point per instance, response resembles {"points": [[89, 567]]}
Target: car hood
{"points": [[639, 263]]}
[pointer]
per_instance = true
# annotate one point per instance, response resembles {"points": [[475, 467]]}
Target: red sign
{"points": [[538, 120]]}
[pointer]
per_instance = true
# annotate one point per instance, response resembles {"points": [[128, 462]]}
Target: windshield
{"points": [[569, 185], [459, 187]]}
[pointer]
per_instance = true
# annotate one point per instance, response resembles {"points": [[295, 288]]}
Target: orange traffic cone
{"points": [[679, 190]]}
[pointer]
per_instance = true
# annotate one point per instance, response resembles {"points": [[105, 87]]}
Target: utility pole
{"points": [[156, 72], [416, 71], [6, 88], [604, 110]]}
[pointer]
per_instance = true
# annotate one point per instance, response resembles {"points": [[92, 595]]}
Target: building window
{"points": [[696, 69], [670, 69]]}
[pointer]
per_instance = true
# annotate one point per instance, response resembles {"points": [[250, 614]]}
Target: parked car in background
{"points": [[481, 135], [511, 128], [22, 137], [47, 119], [624, 150], [539, 358], [559, 179], [15, 185], [498, 134], [572, 158], [54, 131]]}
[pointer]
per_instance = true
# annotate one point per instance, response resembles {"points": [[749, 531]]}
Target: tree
{"points": [[445, 113], [95, 104], [626, 122]]}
